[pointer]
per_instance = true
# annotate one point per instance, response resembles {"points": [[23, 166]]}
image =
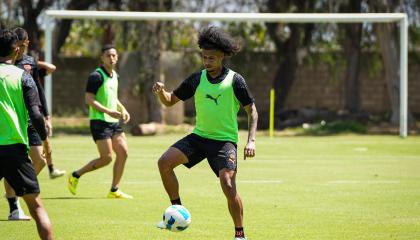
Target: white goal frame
{"points": [[401, 18]]}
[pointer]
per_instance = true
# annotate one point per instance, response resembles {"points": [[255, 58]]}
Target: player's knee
{"points": [[227, 185], [38, 162], [41, 162], [123, 155], [106, 159], [37, 157], [163, 163], [229, 188], [122, 150]]}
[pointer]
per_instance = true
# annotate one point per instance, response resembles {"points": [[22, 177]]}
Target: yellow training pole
{"points": [[271, 129]]}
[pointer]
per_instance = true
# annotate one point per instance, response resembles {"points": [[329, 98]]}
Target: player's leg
{"points": [[15, 211], [119, 145], [35, 151], [222, 157], [20, 174], [228, 183], [105, 157], [102, 134], [39, 162], [53, 172], [38, 157], [39, 214], [167, 162], [186, 151]]}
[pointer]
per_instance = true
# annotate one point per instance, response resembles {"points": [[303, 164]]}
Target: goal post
{"points": [[401, 18]]}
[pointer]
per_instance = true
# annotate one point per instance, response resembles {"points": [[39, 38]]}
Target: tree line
{"points": [[291, 42]]}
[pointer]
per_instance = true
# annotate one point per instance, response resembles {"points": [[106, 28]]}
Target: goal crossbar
{"points": [[401, 18]]}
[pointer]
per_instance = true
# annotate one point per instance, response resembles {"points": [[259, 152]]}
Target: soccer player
{"points": [[38, 157], [18, 99], [29, 64], [105, 113], [218, 92]]}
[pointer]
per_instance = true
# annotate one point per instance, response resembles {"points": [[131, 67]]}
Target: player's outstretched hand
{"points": [[158, 87], [249, 150], [115, 114]]}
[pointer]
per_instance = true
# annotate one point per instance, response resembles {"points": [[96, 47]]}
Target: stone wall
{"points": [[314, 87]]}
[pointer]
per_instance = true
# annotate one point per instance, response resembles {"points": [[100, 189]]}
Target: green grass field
{"points": [[339, 187]]}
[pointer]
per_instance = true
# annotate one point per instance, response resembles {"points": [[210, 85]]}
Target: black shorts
{"points": [[219, 154], [17, 169], [104, 130], [33, 136]]}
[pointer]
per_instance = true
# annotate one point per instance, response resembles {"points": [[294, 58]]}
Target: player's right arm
{"points": [[185, 91], [166, 98]]}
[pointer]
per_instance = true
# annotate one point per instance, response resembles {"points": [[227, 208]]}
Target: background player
{"points": [[19, 98], [105, 112], [36, 153]]}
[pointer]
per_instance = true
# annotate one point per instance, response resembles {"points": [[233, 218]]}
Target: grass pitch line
{"points": [[239, 181], [363, 182], [260, 181], [136, 182]]}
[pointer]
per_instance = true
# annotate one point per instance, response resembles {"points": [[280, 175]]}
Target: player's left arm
{"points": [[123, 111], [42, 98], [49, 67], [251, 110], [244, 96]]}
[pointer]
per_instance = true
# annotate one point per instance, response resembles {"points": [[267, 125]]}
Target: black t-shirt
{"points": [[95, 81], [187, 88], [30, 92], [28, 64], [32, 103]]}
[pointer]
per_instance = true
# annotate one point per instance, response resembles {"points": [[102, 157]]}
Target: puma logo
{"points": [[212, 98]]}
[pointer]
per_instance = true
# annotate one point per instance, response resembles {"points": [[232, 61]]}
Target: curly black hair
{"points": [[8, 40], [214, 38]]}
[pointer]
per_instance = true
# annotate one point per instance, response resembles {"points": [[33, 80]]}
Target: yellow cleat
{"points": [[119, 194], [72, 184]]}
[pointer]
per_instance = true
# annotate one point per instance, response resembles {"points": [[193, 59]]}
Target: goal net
{"points": [[400, 18]]}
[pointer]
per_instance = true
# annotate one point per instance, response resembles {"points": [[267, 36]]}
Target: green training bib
{"points": [[13, 112], [107, 95], [216, 109]]}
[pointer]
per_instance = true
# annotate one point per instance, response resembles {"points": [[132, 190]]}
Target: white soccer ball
{"points": [[177, 218]]}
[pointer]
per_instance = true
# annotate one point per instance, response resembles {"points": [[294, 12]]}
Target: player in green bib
{"points": [[36, 146], [218, 94], [18, 100], [105, 113]]}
